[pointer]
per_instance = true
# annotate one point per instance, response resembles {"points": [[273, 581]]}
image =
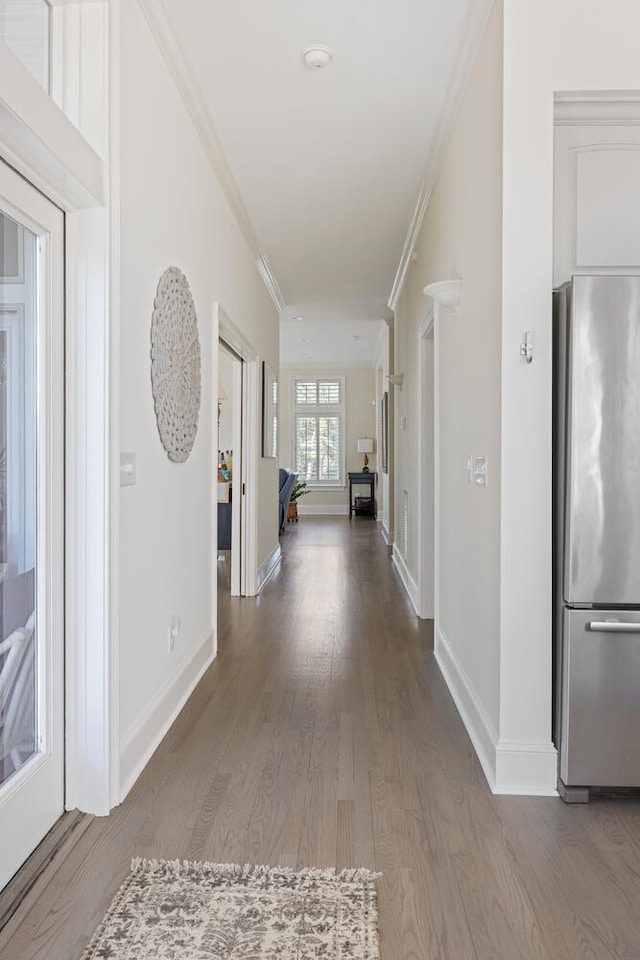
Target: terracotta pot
{"points": [[292, 511]]}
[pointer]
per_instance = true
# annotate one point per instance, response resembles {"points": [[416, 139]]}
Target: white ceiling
{"points": [[328, 163]]}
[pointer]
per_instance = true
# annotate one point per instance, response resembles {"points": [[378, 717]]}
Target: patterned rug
{"points": [[172, 910]]}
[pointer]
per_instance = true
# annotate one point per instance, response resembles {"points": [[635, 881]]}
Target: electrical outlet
{"points": [[469, 469], [174, 630]]}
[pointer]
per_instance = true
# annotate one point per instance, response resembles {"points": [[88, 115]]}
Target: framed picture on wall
{"points": [[384, 431], [269, 411]]}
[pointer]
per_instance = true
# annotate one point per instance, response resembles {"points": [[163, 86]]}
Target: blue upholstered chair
{"points": [[286, 481]]}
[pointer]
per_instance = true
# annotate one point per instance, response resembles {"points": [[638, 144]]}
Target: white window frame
{"points": [[320, 410]]}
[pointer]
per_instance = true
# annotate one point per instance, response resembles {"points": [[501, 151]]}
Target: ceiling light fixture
{"points": [[316, 56]]}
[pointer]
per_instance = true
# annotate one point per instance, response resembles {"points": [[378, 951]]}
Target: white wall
{"points": [[360, 417], [495, 559], [461, 238], [172, 213], [549, 46]]}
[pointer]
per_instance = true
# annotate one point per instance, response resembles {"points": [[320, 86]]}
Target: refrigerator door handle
{"points": [[613, 626]]}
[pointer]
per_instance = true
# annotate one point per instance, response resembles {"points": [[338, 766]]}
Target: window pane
{"points": [[306, 448], [329, 448], [306, 392], [18, 370], [329, 392], [24, 26]]}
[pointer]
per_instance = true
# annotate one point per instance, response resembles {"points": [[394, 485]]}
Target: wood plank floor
{"points": [[324, 735]]}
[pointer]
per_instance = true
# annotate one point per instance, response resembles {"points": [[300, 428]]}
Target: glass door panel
{"points": [[18, 636], [31, 519]]}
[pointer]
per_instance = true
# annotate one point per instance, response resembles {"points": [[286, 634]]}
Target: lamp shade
{"points": [[365, 444]]}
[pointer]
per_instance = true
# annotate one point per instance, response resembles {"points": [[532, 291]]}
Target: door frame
{"points": [[39, 141], [246, 520], [236, 397], [35, 796], [427, 467]]}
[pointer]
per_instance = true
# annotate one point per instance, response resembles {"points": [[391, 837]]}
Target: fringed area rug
{"points": [[172, 910]]}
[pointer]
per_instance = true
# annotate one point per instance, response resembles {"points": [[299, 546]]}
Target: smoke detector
{"points": [[316, 56]]}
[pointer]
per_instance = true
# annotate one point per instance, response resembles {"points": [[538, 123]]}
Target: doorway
{"points": [[230, 402], [31, 519]]}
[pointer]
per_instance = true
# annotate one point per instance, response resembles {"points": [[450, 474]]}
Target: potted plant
{"points": [[300, 489]]}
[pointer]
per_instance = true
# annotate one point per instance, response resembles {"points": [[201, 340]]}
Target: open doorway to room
{"points": [[229, 470]]}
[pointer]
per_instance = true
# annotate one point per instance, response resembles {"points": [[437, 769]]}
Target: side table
{"points": [[363, 479]]}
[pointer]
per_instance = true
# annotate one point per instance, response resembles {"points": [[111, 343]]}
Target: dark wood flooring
{"points": [[324, 735]]}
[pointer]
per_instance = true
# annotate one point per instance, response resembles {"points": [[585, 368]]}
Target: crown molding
{"points": [[474, 28], [188, 85], [329, 365], [270, 282]]}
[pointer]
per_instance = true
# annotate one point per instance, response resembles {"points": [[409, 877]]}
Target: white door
{"points": [[31, 519]]}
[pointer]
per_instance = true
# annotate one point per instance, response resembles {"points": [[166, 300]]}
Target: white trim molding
{"points": [[92, 446], [480, 727], [473, 31], [524, 768], [188, 85], [42, 143], [142, 740], [323, 509], [604, 107], [251, 420], [268, 566], [511, 767], [408, 582], [233, 336], [91, 637]]}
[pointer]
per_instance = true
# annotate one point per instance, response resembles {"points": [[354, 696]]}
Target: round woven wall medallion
{"points": [[175, 364]]}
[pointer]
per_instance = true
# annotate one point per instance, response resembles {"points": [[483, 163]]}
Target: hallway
{"points": [[324, 735]]}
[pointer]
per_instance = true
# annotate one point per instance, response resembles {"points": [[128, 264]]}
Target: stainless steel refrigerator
{"points": [[597, 533]]}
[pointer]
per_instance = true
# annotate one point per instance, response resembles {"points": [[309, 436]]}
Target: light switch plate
{"points": [[481, 471], [127, 469]]}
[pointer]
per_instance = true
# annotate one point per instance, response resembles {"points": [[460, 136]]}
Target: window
{"points": [[25, 28], [319, 421]]}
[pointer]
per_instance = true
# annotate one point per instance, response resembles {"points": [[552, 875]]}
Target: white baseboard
{"points": [[529, 769], [480, 728], [408, 582], [387, 536], [514, 767], [266, 569], [143, 739], [323, 509]]}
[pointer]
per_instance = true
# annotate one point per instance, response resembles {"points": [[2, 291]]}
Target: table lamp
{"points": [[365, 446]]}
